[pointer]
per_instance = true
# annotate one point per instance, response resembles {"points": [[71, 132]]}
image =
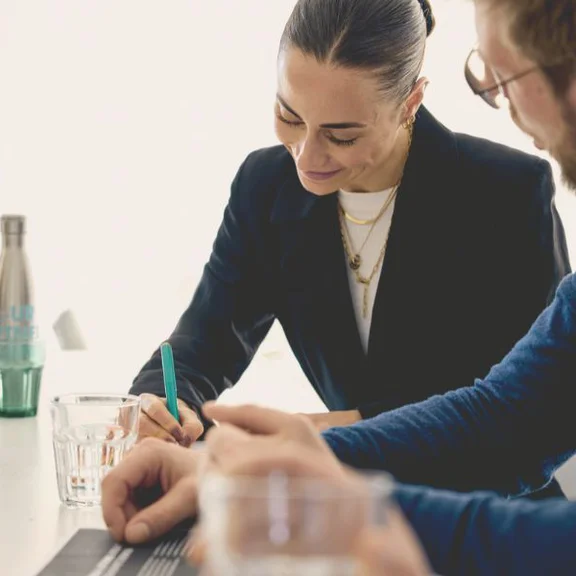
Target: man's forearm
{"points": [[506, 433], [483, 535]]}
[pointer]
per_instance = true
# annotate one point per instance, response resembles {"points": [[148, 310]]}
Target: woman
{"points": [[402, 260]]}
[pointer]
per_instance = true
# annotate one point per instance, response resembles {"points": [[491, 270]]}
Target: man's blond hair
{"points": [[545, 32]]}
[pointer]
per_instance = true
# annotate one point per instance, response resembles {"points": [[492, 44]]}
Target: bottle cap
{"points": [[13, 224]]}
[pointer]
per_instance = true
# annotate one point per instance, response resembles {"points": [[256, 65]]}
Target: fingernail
{"points": [[187, 440], [177, 433], [137, 533]]}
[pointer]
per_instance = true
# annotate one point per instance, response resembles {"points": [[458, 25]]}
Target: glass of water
{"points": [[278, 525], [91, 434]]}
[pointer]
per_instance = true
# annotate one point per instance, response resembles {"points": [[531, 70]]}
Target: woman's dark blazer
{"points": [[475, 253]]}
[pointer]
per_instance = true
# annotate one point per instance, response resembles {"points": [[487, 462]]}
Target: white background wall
{"points": [[121, 127]]}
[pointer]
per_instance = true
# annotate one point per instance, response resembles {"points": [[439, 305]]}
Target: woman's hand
{"points": [[157, 422]]}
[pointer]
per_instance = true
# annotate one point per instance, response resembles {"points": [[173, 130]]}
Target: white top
{"points": [[364, 206]]}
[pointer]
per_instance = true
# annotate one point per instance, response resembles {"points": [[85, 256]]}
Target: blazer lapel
{"points": [[416, 235], [313, 272]]}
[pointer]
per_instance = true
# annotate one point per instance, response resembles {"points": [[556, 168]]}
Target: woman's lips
{"points": [[320, 176]]}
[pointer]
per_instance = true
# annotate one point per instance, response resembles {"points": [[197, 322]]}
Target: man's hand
{"points": [[390, 551], [292, 446], [332, 419], [152, 490], [157, 422], [232, 451], [274, 427]]}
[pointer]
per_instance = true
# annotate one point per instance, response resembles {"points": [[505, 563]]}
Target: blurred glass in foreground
{"points": [[281, 525]]}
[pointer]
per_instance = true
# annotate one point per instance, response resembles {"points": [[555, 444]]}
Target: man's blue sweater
{"points": [[484, 535], [509, 433]]}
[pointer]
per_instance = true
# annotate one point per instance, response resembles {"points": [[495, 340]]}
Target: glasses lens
{"points": [[482, 80]]}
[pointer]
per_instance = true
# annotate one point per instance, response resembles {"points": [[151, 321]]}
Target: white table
{"points": [[33, 523]]}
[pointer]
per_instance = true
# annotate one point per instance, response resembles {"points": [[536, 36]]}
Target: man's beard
{"points": [[565, 152]]}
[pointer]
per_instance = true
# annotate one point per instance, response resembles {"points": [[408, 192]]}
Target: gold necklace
{"points": [[354, 256], [354, 260], [364, 280], [351, 218], [372, 221]]}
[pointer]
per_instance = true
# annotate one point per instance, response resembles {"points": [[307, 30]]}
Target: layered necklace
{"points": [[355, 256]]}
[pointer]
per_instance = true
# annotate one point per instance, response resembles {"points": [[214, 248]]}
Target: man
{"points": [[518, 418]]}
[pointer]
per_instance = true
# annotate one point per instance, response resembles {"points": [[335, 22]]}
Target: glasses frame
{"points": [[484, 93]]}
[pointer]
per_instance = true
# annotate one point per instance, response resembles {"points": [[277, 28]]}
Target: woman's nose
{"points": [[310, 155]]}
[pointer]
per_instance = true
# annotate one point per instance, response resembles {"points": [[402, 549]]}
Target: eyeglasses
{"points": [[485, 83]]}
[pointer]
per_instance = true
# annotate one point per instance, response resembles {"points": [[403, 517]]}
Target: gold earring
{"points": [[408, 123]]}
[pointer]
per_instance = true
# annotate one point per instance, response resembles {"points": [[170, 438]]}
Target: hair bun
{"points": [[428, 15]]}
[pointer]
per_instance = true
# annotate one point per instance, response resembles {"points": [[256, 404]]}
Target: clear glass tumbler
{"points": [[91, 434], [279, 525]]}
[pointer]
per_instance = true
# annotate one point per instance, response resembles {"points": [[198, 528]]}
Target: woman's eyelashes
{"points": [[331, 138], [289, 122], [340, 142]]}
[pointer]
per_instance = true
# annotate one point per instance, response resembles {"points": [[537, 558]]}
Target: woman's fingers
{"points": [[191, 423], [155, 408], [150, 429]]}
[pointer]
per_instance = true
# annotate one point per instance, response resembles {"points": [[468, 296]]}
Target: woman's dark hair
{"points": [[387, 37]]}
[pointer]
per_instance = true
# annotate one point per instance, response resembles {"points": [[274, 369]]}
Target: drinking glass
{"points": [[278, 525], [91, 434]]}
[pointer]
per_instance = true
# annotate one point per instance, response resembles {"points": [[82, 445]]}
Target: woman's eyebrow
{"points": [[331, 125]]}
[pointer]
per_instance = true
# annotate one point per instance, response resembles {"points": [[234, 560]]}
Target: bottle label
{"points": [[17, 324]]}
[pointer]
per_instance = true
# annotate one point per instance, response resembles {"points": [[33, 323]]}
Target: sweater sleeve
{"points": [[508, 432], [482, 535]]}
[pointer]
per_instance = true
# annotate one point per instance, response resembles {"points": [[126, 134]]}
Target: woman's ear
{"points": [[414, 101]]}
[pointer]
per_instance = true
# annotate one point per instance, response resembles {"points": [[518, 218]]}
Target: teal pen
{"points": [[169, 375]]}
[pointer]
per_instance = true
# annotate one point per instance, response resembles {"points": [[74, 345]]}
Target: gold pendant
{"points": [[365, 301], [355, 262]]}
